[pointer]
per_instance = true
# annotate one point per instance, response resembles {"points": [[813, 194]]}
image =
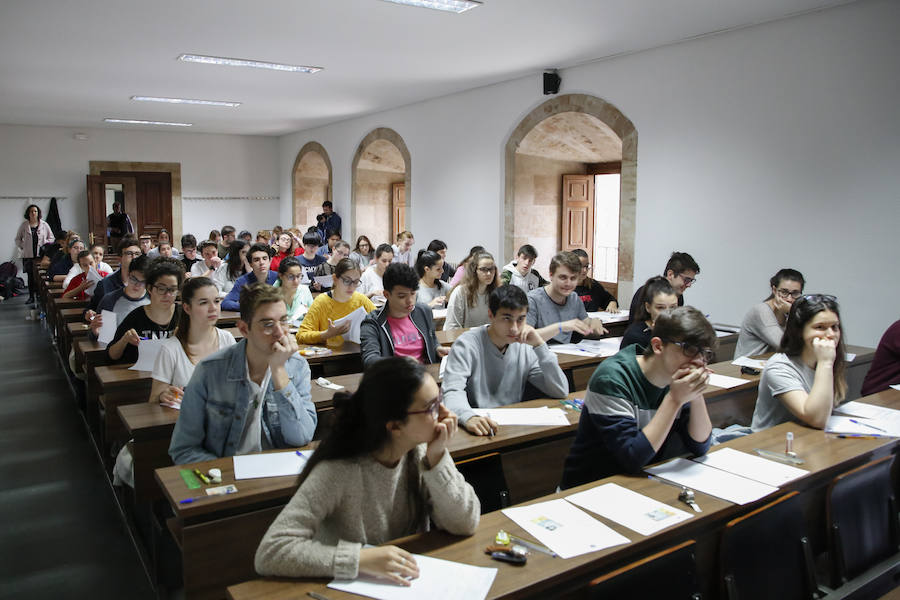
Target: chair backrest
{"points": [[671, 573], [485, 475], [862, 518], [765, 554]]}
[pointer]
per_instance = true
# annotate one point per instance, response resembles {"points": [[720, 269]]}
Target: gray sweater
{"points": [[460, 315], [760, 332], [346, 503], [478, 375], [543, 311]]}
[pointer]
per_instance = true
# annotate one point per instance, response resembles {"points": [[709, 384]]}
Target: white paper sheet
{"points": [[563, 528], [94, 277], [602, 348], [635, 511], [849, 356], [355, 319], [438, 580], [860, 426], [524, 416], [326, 281], [721, 334], [322, 382], [751, 466], [108, 328], [570, 349], [724, 381], [272, 464], [711, 481], [148, 350], [439, 313], [745, 361], [443, 366], [896, 387], [608, 317]]}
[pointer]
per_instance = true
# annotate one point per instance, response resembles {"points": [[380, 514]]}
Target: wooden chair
{"points": [[671, 573], [766, 554], [485, 475]]}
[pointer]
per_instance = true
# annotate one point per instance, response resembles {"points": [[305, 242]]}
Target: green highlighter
{"points": [[190, 480]]}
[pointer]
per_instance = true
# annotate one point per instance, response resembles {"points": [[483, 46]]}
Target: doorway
{"points": [[380, 187], [311, 183]]}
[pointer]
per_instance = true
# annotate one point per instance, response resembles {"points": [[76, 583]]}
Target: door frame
{"points": [[95, 167]]}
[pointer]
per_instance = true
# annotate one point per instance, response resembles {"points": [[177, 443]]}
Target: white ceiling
{"points": [[74, 63]]}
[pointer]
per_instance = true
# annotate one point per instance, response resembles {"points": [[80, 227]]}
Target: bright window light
{"points": [[141, 122], [241, 62], [186, 101], [456, 6]]}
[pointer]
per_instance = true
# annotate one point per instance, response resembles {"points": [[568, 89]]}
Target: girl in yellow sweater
{"points": [[318, 325]]}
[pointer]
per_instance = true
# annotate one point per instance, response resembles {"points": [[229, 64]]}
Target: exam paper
{"points": [[896, 387], [443, 366], [108, 328], [355, 319], [752, 467], [609, 317], [711, 481], [563, 528], [272, 464], [148, 350], [860, 426], [524, 416], [94, 277], [439, 313], [602, 348], [438, 580], [849, 356], [745, 361], [724, 381], [322, 382], [326, 281], [635, 511]]}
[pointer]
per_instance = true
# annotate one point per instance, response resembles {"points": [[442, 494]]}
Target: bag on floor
{"points": [[11, 286], [7, 270]]}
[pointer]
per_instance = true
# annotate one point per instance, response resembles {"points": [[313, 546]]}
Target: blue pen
{"points": [[868, 425]]}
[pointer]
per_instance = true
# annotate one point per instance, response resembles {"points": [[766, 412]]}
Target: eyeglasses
{"points": [[164, 290], [294, 277], [268, 326], [688, 281], [691, 351], [434, 407], [132, 253], [136, 282], [350, 282], [788, 293], [486, 269]]}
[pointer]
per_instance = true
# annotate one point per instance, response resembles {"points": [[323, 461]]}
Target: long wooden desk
{"points": [[826, 456]]}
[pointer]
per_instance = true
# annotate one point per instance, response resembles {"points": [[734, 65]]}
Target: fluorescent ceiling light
{"points": [[140, 122], [241, 62], [456, 6], [185, 101]]}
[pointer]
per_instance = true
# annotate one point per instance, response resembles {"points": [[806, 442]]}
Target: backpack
{"points": [[11, 286], [8, 269]]}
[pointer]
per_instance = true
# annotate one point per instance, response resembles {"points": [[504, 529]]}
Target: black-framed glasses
{"points": [[688, 281], [136, 282], [268, 325], [788, 293], [434, 407], [350, 282], [691, 351], [132, 253], [164, 290], [486, 269]]}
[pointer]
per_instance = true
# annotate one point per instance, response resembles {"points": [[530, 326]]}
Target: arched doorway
{"points": [[579, 135], [311, 184], [380, 186]]}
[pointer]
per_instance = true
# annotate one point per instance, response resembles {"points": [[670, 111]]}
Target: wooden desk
{"points": [[826, 457], [149, 427], [228, 318], [342, 360]]}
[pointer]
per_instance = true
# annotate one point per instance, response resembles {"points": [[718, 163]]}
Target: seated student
{"points": [[763, 325], [382, 472], [433, 291], [681, 271], [403, 252], [228, 236], [331, 238], [594, 296], [658, 296], [50, 251], [363, 253], [124, 300], [66, 261], [370, 284], [644, 408], [318, 324], [805, 380], [79, 287], [296, 297], [211, 266], [468, 304], [189, 256], [339, 251], [97, 253], [461, 267], [439, 247], [885, 369], [519, 272], [215, 235], [403, 327], [146, 242], [128, 251], [489, 365], [285, 249], [236, 264], [258, 257], [248, 397], [264, 236], [162, 239], [555, 310], [156, 320], [308, 259], [246, 236]]}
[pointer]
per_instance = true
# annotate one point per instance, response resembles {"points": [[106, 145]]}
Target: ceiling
{"points": [[74, 63], [572, 136]]}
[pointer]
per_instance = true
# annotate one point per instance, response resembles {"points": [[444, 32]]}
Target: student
{"points": [[328, 220], [318, 324], [50, 251], [65, 262], [885, 369], [644, 408], [146, 242], [594, 296], [461, 267], [80, 284], [658, 296], [123, 300], [249, 397], [432, 290], [555, 310], [339, 251], [403, 327], [805, 380], [763, 325], [211, 266], [382, 472], [681, 271], [189, 255], [162, 238], [371, 285], [258, 257], [263, 236], [276, 233], [468, 304], [440, 248], [309, 260], [236, 264], [228, 237], [519, 272], [216, 236], [284, 249], [128, 251], [489, 365], [246, 236], [33, 233], [97, 253], [331, 238], [296, 297], [155, 320], [363, 253], [403, 248]]}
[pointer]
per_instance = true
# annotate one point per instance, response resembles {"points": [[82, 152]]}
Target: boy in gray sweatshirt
{"points": [[488, 366]]}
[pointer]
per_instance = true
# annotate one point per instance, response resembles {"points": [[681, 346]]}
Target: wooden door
{"points": [[153, 205], [398, 204], [578, 213], [97, 208]]}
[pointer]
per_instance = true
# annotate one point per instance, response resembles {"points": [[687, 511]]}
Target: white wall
{"points": [[772, 146], [48, 161]]}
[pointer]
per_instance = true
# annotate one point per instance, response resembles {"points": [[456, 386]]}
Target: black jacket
{"points": [[376, 341]]}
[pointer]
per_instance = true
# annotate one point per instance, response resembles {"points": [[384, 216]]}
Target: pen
{"points": [[867, 425], [317, 596], [490, 429], [533, 546], [189, 500], [861, 436]]}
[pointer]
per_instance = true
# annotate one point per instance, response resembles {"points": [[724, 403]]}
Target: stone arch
{"points": [[384, 134], [311, 184], [624, 129]]}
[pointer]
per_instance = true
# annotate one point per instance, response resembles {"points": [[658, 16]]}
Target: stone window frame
{"points": [[306, 149], [389, 135]]}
